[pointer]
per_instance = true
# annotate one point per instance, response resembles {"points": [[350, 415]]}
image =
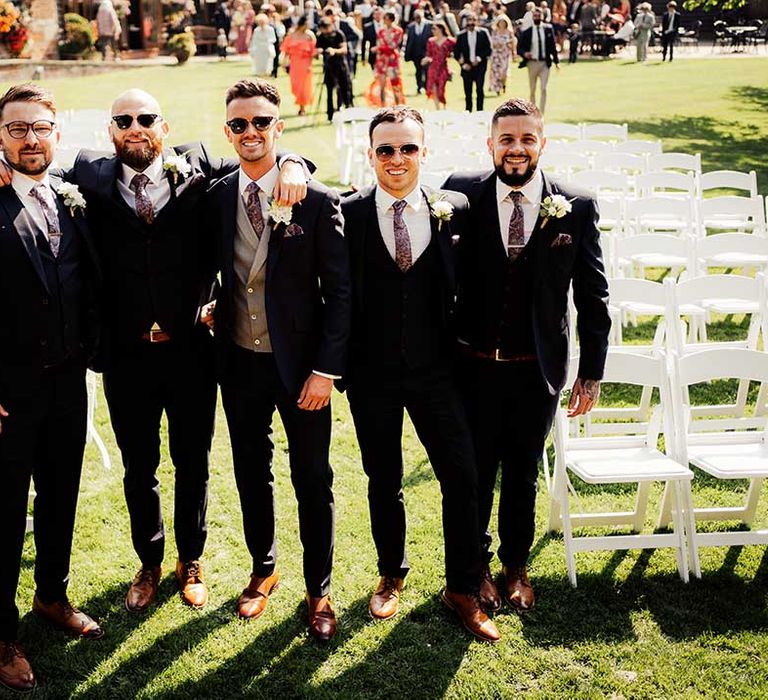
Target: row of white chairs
{"points": [[562, 131], [627, 452]]}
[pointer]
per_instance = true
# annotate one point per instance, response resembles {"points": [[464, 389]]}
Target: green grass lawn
{"points": [[631, 629]]}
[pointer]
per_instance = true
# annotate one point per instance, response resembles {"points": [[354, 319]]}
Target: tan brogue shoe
{"points": [[489, 594], [143, 589], [322, 619], [253, 601], [62, 615], [15, 671], [467, 607], [386, 599], [193, 590], [518, 589]]}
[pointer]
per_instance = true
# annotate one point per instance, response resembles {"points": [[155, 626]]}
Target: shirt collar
{"points": [[532, 190], [154, 171], [23, 184], [384, 200], [266, 182]]}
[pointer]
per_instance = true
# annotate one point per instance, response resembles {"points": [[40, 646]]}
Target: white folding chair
{"points": [[734, 214], [666, 183], [560, 131], [605, 131], [724, 448], [633, 254], [92, 433], [563, 164], [729, 180], [639, 147], [622, 458], [351, 138], [603, 183], [591, 147], [687, 162], [660, 215], [731, 250], [627, 163]]}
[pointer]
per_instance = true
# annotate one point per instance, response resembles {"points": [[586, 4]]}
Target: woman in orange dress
{"points": [[388, 42], [299, 47]]}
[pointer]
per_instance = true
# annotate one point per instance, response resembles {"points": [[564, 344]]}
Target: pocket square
{"points": [[293, 230], [562, 239]]}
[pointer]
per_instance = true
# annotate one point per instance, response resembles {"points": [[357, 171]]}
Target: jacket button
{"points": [[45, 302]]}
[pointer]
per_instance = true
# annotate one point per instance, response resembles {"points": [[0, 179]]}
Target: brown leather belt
{"points": [[495, 356], [156, 337]]}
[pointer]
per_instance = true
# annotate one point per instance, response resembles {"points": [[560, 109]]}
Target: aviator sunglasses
{"points": [[386, 152], [239, 124], [146, 121]]}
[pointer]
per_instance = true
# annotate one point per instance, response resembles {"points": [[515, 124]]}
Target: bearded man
{"points": [[533, 238]]}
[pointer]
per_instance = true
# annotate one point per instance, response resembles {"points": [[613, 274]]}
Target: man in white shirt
{"points": [[473, 47], [539, 51]]}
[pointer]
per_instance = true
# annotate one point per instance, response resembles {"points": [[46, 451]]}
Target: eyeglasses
{"points": [[145, 121], [239, 125], [386, 152], [42, 128]]}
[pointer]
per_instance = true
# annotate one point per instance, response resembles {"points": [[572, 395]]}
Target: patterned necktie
{"points": [[402, 238], [144, 207], [253, 208], [516, 235], [39, 192]]}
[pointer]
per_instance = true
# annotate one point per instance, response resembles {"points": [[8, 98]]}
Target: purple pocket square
{"points": [[293, 230], [561, 240]]}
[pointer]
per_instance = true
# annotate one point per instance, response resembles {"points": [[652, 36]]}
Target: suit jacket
{"points": [[670, 23], [550, 50], [574, 11], [23, 285], [361, 223], [308, 322], [482, 47], [565, 251], [416, 44]]}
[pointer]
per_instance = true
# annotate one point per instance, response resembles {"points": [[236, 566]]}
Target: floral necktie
{"points": [[253, 208], [516, 235], [402, 238], [144, 207], [40, 193]]}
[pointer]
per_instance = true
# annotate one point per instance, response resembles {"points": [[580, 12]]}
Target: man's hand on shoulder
{"points": [[291, 185], [584, 397], [6, 174]]}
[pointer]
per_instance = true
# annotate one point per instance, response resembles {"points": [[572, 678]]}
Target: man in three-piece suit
{"points": [[670, 27], [473, 47], [49, 280], [533, 238], [282, 324], [371, 29], [401, 354], [416, 37], [145, 210], [539, 52]]}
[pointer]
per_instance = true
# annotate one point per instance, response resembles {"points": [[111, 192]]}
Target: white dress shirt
{"points": [[472, 44], [158, 188], [538, 43], [23, 185], [531, 203], [415, 216]]}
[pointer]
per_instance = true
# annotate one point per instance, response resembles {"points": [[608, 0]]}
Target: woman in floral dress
{"points": [[502, 46], [388, 42], [439, 48]]}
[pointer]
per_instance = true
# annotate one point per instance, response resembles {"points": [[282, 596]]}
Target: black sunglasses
{"points": [[386, 152], [42, 128], [239, 125], [146, 121]]}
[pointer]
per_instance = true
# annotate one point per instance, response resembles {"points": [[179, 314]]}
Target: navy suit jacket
{"points": [[550, 49], [482, 47], [416, 44]]}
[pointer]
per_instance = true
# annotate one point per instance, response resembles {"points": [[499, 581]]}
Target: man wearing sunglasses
{"points": [[48, 276], [400, 236], [282, 322]]}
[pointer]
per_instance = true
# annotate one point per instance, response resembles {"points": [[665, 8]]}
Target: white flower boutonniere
{"points": [[177, 165], [72, 197], [554, 207], [280, 213], [441, 209]]}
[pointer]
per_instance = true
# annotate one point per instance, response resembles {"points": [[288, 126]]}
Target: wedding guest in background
{"points": [[262, 46], [645, 21], [670, 26], [537, 47], [416, 37], [387, 68], [439, 49], [299, 49], [473, 47], [503, 46]]}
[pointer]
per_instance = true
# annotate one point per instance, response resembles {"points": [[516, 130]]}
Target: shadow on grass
{"points": [[758, 96]]}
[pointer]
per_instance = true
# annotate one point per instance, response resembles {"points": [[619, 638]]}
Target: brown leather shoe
{"points": [[143, 589], [467, 607], [15, 671], [322, 619], [489, 594], [519, 592], [189, 574], [253, 601], [62, 615], [386, 599]]}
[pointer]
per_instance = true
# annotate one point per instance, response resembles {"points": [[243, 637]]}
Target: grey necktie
{"points": [[51, 217], [402, 238], [516, 236], [144, 207], [253, 208]]}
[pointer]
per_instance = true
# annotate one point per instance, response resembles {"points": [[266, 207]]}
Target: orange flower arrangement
{"points": [[9, 15]]}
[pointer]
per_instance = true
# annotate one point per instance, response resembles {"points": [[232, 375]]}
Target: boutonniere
{"points": [[72, 196], [441, 209], [554, 206], [280, 213], [178, 166]]}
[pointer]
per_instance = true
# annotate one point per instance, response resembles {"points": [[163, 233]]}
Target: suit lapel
{"points": [[442, 234], [490, 209], [228, 207], [23, 226], [106, 187]]}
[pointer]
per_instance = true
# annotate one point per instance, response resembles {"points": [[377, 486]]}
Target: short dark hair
{"points": [[243, 89], [390, 15], [324, 23], [442, 25], [28, 92], [394, 115], [517, 107]]}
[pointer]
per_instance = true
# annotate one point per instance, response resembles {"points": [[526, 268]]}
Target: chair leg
{"points": [[690, 529], [677, 514], [753, 496], [641, 505], [665, 514], [570, 559]]}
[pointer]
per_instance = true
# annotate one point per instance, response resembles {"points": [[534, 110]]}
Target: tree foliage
{"points": [[714, 4]]}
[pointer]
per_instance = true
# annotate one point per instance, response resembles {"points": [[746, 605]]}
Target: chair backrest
{"points": [[727, 213], [640, 147], [707, 247], [629, 163], [638, 291], [602, 182], [675, 161], [660, 213], [605, 131], [654, 244], [563, 162], [557, 131], [590, 147], [665, 183], [730, 180]]}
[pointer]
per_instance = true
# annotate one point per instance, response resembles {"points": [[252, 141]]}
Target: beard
{"points": [[515, 179], [25, 169], [139, 157]]}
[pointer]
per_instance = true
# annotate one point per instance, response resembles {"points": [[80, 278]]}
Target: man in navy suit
{"points": [[533, 237], [49, 279], [473, 47], [416, 37], [282, 323], [670, 27], [539, 52]]}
